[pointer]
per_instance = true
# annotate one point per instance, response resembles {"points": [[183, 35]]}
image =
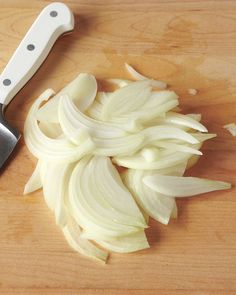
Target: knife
{"points": [[53, 21]]}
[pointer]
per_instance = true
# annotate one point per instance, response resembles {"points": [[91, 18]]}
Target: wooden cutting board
{"points": [[189, 44]]}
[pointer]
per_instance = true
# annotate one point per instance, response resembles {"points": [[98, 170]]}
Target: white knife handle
{"points": [[54, 20]]}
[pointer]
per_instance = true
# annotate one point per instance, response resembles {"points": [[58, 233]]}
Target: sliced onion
{"points": [[127, 244], [179, 119], [145, 115], [231, 128], [90, 198], [73, 232], [202, 137], [159, 98], [113, 187], [56, 191], [136, 161], [192, 161], [126, 145], [119, 82], [174, 213], [177, 147], [155, 106], [102, 97], [82, 91], [43, 147], [126, 99], [154, 204], [138, 76], [35, 181], [95, 111], [183, 122], [167, 132], [192, 91], [150, 154], [123, 122], [74, 134], [52, 130], [183, 186], [196, 117], [72, 120], [109, 140]]}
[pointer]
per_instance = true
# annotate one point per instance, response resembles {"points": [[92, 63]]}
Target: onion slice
{"points": [[43, 147], [73, 235], [52, 130], [162, 132], [119, 82], [127, 244], [35, 181], [154, 204], [150, 154], [72, 120], [136, 75], [231, 128], [82, 91], [97, 202], [177, 147], [95, 111], [126, 99], [56, 191], [147, 114], [183, 186], [137, 162], [184, 120], [59, 150], [122, 146]]}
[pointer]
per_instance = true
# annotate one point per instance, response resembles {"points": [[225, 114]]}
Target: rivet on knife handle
{"points": [[54, 20]]}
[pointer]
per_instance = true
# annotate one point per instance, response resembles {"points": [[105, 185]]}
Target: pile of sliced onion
{"points": [[80, 137]]}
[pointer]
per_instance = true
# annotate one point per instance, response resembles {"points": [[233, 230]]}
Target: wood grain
{"points": [[190, 44]]}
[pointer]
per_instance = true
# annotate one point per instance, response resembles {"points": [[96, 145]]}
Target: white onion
{"points": [[162, 132], [35, 181], [150, 154], [43, 147], [127, 244], [126, 99], [179, 119], [97, 202], [122, 146], [119, 82], [146, 114], [231, 128], [196, 117], [95, 111], [52, 130], [202, 137], [136, 161], [183, 186], [156, 105], [56, 191], [138, 76], [183, 122], [177, 147], [74, 134], [154, 204], [73, 233], [72, 120], [82, 90]]}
